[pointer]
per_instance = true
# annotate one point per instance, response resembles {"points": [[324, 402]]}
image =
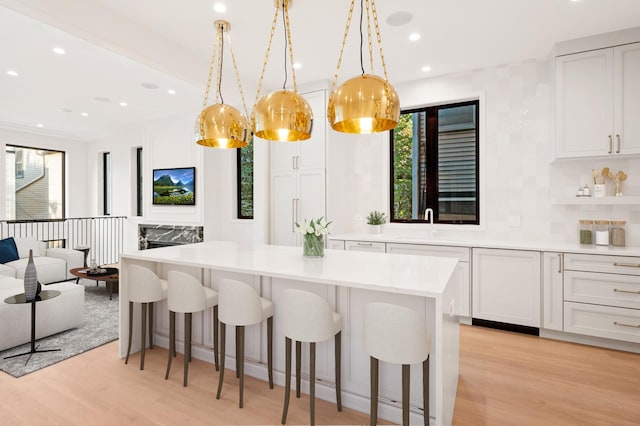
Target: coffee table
{"points": [[22, 298], [111, 276]]}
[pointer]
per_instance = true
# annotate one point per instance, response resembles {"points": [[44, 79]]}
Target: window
{"points": [[34, 183], [434, 164], [139, 181], [106, 183], [244, 184]]}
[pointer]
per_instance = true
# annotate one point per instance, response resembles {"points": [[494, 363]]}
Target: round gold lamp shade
{"points": [[222, 126], [364, 104], [283, 115]]}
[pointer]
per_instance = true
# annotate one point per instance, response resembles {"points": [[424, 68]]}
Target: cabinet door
{"points": [[283, 208], [584, 104], [311, 200], [311, 153], [461, 274], [552, 298], [627, 99], [506, 286]]}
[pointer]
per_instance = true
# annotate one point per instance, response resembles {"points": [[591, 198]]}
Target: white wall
{"points": [[76, 182], [518, 179]]}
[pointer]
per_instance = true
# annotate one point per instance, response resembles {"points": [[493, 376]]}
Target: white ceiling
{"points": [[115, 45]]}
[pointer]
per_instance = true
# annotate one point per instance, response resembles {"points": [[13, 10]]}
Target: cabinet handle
{"points": [[610, 144], [617, 290], [626, 325], [627, 265], [293, 215], [618, 139], [293, 162], [297, 162], [365, 244], [560, 263]]}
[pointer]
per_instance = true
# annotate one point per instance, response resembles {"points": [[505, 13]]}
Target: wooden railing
{"points": [[104, 235]]}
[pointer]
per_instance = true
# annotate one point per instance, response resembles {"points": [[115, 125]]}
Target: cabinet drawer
{"points": [[462, 253], [628, 265], [364, 246], [335, 244], [602, 321], [602, 289]]}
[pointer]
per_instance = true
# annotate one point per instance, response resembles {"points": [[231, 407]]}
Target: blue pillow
{"points": [[8, 250]]}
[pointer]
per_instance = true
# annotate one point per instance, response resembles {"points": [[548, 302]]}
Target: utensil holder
{"points": [[599, 190]]}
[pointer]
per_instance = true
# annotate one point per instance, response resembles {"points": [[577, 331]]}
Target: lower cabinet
{"points": [[461, 275], [506, 286], [552, 291], [365, 246]]}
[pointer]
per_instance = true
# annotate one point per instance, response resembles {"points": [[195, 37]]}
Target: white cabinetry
{"points": [[335, 244], [506, 286], [552, 290], [602, 296], [461, 274], [298, 171], [598, 102]]}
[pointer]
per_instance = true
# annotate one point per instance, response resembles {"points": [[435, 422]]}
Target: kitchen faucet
{"points": [[428, 215]]}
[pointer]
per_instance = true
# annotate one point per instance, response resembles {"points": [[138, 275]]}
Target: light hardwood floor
{"points": [[505, 379]]}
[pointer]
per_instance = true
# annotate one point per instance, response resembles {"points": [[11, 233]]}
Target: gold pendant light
{"points": [[221, 125], [283, 115], [367, 103]]}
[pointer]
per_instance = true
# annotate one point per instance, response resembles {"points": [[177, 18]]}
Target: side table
{"points": [[22, 298]]}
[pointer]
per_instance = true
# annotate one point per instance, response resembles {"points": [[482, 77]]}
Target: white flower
{"points": [[317, 227]]}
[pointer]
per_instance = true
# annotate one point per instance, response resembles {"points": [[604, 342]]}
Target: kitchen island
{"points": [[348, 280]]}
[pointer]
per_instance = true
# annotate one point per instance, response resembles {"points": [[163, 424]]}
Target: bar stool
{"points": [[187, 295], [240, 306], [145, 287], [397, 335], [307, 317]]}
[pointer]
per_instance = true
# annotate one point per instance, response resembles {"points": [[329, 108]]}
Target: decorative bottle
{"points": [[30, 279]]}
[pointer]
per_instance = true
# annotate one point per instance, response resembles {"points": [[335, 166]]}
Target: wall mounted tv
{"points": [[174, 186]]}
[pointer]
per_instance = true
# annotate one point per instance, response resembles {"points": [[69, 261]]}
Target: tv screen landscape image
{"points": [[174, 186]]}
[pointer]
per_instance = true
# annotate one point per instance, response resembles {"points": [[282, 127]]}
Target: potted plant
{"points": [[313, 232], [375, 220]]}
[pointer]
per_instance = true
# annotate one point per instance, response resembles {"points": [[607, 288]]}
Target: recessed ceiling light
{"points": [[150, 86], [398, 19], [40, 125], [171, 92], [220, 7], [101, 99], [123, 104], [297, 65], [12, 73], [426, 68], [59, 51], [84, 114], [414, 36]]}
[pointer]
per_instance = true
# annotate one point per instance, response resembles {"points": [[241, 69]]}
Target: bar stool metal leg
{"points": [[187, 345], [287, 379], [237, 353], [223, 344], [172, 341], [406, 383], [151, 325], [373, 362], [337, 353], [126, 361], [270, 350], [298, 367], [425, 390], [215, 337], [241, 368], [312, 382], [143, 339]]}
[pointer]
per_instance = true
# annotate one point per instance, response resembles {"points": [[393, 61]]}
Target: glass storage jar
{"points": [[601, 231], [586, 231], [617, 233]]}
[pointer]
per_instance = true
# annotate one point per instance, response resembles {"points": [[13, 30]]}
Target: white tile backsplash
{"points": [[520, 177]]}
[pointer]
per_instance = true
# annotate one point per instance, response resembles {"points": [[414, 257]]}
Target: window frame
{"points": [[431, 112], [106, 183]]}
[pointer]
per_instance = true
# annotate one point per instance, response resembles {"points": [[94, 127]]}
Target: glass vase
{"points": [[313, 246]]}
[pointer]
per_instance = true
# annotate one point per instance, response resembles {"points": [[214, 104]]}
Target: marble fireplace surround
{"points": [[155, 235]]}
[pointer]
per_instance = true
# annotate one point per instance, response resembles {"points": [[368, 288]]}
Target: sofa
{"points": [[52, 264], [52, 316]]}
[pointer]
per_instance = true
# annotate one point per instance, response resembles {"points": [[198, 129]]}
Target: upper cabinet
{"points": [[598, 102]]}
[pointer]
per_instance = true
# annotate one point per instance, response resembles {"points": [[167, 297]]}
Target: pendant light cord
{"points": [[220, 69], [284, 24], [361, 38]]}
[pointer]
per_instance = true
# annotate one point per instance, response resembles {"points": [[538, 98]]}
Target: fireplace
{"points": [[154, 236]]}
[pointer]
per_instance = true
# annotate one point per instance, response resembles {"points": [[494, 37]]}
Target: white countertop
{"points": [[513, 245], [425, 276]]}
